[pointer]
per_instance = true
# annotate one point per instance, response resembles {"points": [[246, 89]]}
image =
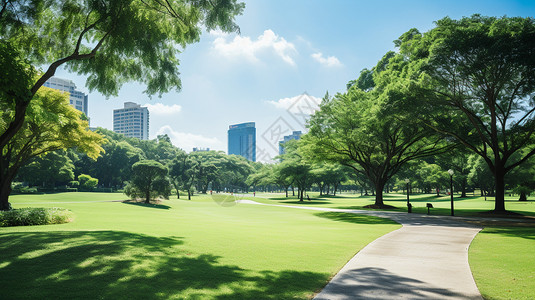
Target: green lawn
{"points": [[503, 262], [469, 206], [180, 249]]}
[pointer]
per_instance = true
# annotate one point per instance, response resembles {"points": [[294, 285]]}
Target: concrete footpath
{"points": [[425, 259]]}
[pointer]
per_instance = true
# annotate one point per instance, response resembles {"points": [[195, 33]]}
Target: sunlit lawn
{"points": [[503, 262], [179, 249]]}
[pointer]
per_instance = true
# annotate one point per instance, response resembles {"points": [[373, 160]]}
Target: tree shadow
{"points": [[379, 283], [353, 218], [150, 205], [516, 231], [306, 202], [124, 265]]}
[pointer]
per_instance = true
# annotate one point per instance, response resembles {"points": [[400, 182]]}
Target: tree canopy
{"points": [[474, 80]]}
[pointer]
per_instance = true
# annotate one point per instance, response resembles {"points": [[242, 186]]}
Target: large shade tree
{"points": [[51, 124], [476, 82], [111, 42], [366, 131], [149, 181]]}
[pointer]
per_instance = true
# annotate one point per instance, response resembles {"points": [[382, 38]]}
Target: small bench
{"points": [[429, 206]]}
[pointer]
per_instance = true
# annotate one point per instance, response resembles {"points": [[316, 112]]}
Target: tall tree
{"points": [[102, 40], [476, 80], [363, 131], [52, 124], [149, 180]]}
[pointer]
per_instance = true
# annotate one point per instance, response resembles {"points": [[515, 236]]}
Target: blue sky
{"points": [[285, 48]]}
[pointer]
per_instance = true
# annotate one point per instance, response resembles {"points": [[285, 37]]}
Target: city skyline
{"points": [[285, 49]]}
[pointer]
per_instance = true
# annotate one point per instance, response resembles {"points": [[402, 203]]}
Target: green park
{"points": [[416, 180]]}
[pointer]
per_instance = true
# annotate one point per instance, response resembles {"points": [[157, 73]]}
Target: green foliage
{"points": [[149, 181], [35, 216], [54, 167], [102, 40], [87, 182], [473, 79]]}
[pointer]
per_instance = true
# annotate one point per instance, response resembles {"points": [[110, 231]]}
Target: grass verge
{"points": [[502, 262]]}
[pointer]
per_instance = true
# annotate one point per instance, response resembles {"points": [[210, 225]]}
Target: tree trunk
{"points": [[177, 194], [286, 190], [379, 186], [523, 196], [499, 202], [5, 190], [293, 191], [302, 192], [147, 197], [463, 188], [189, 195], [335, 189]]}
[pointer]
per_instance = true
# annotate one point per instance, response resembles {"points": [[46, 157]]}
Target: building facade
{"points": [[294, 136], [242, 140], [77, 99], [132, 121]]}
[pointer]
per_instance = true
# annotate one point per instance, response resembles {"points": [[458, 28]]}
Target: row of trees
{"points": [[465, 85], [133, 161]]}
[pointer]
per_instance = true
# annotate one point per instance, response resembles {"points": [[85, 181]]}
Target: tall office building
{"points": [[242, 140], [77, 99], [294, 136], [132, 121]]}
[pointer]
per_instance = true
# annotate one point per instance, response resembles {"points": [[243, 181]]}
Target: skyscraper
{"points": [[242, 140], [77, 99], [132, 121]]}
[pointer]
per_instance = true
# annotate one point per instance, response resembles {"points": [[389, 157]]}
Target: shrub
{"points": [[35, 216]]}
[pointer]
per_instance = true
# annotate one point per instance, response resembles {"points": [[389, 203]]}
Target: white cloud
{"points": [[187, 141], [330, 61], [303, 104], [162, 109], [250, 50]]}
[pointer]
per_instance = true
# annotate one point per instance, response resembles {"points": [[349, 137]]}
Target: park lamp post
{"points": [[409, 206], [450, 171]]}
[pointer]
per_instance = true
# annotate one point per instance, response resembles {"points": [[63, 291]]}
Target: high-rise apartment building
{"points": [[294, 136], [77, 99], [132, 121], [242, 140]]}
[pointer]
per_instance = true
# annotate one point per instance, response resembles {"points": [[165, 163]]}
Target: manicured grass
{"points": [[469, 206], [179, 249], [503, 262]]}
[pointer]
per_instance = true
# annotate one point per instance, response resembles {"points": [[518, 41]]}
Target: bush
{"points": [[35, 216]]}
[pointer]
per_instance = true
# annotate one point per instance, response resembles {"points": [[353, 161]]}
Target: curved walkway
{"points": [[425, 259]]}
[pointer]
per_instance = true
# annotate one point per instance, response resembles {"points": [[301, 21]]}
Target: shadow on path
{"points": [[379, 283]]}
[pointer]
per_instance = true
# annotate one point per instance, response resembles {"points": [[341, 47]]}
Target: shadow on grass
{"points": [[353, 218], [151, 205], [306, 202], [523, 232], [123, 265]]}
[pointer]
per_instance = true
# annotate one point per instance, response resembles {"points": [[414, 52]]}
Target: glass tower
{"points": [[242, 140]]}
